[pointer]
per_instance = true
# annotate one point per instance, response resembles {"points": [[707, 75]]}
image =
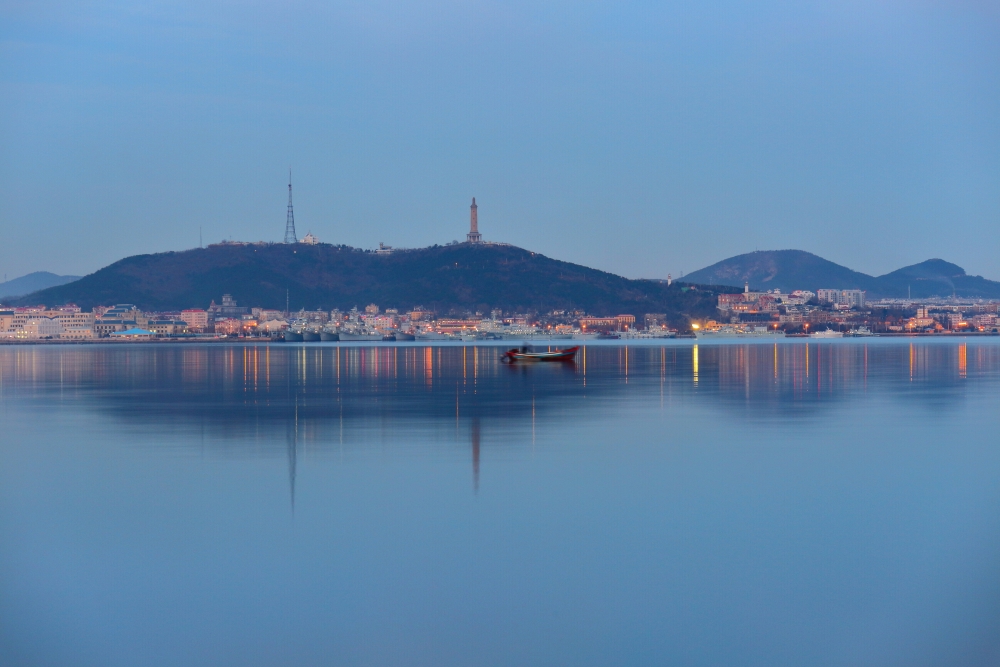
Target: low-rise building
{"points": [[593, 324], [229, 326], [273, 326], [457, 326], [78, 333], [135, 333], [167, 327]]}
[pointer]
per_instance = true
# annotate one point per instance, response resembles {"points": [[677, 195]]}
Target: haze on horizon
{"points": [[640, 138]]}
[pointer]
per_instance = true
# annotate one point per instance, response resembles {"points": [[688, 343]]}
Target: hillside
{"points": [[33, 282], [789, 270], [461, 277], [786, 270]]}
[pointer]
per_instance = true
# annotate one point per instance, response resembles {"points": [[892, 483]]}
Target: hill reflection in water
{"points": [[246, 400], [754, 504], [239, 390]]}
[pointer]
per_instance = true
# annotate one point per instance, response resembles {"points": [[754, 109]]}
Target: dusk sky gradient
{"points": [[636, 137]]}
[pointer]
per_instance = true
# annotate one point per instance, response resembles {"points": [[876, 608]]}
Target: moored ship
{"points": [[860, 332], [827, 333], [361, 335], [735, 331]]}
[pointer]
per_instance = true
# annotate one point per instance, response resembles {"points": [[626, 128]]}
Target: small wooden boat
{"points": [[525, 354]]}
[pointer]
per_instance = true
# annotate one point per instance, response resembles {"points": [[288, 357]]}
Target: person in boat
{"points": [[525, 349]]}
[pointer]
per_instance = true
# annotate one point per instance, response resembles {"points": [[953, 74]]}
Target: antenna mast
{"points": [[290, 222]]}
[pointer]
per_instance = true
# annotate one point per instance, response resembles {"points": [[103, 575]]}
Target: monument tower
{"points": [[474, 236]]}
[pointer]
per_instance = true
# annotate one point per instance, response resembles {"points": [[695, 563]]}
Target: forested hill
{"points": [[445, 278], [789, 270]]}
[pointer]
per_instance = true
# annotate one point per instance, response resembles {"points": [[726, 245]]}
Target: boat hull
{"points": [[514, 356], [327, 337], [360, 337]]}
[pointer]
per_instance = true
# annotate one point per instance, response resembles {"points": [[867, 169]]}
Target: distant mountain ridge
{"points": [[33, 282], [473, 277], [789, 270]]}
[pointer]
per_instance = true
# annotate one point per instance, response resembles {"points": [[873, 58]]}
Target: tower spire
{"points": [[474, 236], [290, 221]]}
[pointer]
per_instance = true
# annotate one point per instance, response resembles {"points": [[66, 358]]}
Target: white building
{"points": [[41, 327], [851, 298]]}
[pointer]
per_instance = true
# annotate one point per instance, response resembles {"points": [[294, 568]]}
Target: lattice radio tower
{"points": [[290, 222]]}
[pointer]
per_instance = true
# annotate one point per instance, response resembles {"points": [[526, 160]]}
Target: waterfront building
{"points": [[15, 320], [273, 326], [229, 308], [78, 333], [592, 324], [230, 326], [135, 333], [167, 327], [116, 319], [39, 328], [457, 326], [195, 318]]}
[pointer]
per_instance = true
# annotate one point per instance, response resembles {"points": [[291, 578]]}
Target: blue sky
{"points": [[636, 137]]}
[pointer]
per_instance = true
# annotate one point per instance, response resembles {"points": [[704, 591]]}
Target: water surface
{"points": [[791, 504]]}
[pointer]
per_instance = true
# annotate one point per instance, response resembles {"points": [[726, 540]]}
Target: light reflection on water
{"points": [[790, 503]]}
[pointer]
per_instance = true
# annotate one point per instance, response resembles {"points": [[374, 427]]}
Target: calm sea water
{"points": [[793, 504]]}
